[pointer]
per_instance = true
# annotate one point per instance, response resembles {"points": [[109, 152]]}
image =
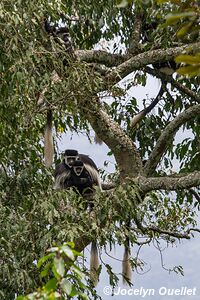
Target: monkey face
{"points": [[69, 160], [78, 167], [78, 170]]}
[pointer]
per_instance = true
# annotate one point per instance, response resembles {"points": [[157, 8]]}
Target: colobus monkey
{"points": [[80, 171], [64, 169], [80, 179], [60, 34]]}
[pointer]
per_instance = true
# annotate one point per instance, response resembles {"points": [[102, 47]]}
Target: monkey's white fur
{"points": [[48, 146], [94, 263], [126, 266], [94, 174], [60, 179]]}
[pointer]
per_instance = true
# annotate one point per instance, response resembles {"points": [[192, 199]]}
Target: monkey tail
{"points": [[126, 265], [94, 264], [48, 141]]}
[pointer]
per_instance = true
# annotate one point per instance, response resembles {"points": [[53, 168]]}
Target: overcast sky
{"points": [[186, 254]]}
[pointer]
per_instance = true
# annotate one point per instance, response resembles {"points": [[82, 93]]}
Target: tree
{"points": [[34, 217]]}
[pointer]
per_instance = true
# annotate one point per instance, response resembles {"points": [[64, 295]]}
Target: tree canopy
{"points": [[69, 56]]}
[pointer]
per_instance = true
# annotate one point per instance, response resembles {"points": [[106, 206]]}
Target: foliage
{"points": [[66, 279], [34, 217], [186, 17]]}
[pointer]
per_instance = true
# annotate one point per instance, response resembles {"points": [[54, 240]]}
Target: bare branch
{"points": [[168, 183], [183, 89], [167, 136], [194, 229], [100, 57], [177, 235], [136, 119]]}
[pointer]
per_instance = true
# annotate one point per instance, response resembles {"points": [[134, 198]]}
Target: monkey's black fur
{"points": [[82, 181], [65, 175]]}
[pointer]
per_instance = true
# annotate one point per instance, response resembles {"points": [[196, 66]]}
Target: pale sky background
{"points": [[186, 253]]}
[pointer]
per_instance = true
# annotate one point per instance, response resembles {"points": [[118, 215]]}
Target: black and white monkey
{"points": [[64, 170], [79, 171], [80, 179]]}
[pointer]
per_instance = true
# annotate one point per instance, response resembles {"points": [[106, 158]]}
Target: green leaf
{"points": [[66, 286], [59, 266], [173, 18], [55, 273], [83, 296], [188, 59], [46, 270], [78, 271], [122, 3], [68, 252], [74, 291], [71, 244], [184, 29], [51, 285], [189, 70], [43, 259], [19, 75]]}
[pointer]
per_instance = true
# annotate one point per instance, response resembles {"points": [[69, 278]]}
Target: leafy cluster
{"points": [[185, 19], [66, 279], [34, 217]]}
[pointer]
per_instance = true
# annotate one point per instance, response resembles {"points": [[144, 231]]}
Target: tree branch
{"points": [[148, 184], [108, 186], [135, 46], [175, 234], [146, 58], [168, 183], [100, 57], [136, 119], [109, 131], [167, 136], [194, 229], [101, 69]]}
